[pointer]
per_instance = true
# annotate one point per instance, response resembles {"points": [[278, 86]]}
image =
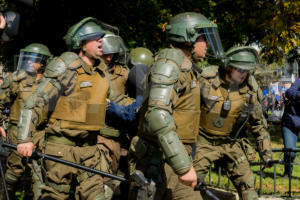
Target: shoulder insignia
{"points": [[210, 71]]}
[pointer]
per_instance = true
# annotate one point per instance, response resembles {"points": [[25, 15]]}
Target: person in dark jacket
{"points": [[291, 124]]}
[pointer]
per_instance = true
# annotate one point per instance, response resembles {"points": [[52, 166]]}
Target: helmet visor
{"points": [[31, 62], [92, 36], [113, 44], [215, 48]]}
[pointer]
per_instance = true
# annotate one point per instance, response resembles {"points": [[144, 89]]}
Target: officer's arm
{"points": [[159, 120], [258, 128], [58, 80]]}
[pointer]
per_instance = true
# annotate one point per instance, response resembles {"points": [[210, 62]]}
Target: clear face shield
{"points": [[31, 62], [113, 44], [214, 45]]}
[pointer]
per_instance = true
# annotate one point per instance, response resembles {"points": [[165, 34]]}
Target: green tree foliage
{"points": [[272, 23]]}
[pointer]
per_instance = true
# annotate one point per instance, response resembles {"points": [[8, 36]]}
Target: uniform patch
{"points": [[85, 84], [193, 84], [213, 98], [219, 122]]}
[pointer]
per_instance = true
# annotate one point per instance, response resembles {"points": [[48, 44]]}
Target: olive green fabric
{"points": [[16, 168], [178, 191], [232, 158], [213, 144], [170, 107], [148, 158], [15, 92], [214, 92], [59, 176]]}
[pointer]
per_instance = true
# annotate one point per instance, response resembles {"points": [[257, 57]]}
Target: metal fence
{"points": [[261, 176]]}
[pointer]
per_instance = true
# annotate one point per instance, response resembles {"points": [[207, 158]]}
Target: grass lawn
{"points": [[282, 185]]}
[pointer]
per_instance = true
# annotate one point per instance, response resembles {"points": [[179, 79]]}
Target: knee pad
{"points": [[108, 192], [249, 194], [100, 196]]}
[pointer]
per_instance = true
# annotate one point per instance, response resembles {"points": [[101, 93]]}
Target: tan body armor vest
{"points": [[118, 76], [186, 112], [211, 120], [85, 107], [24, 89]]}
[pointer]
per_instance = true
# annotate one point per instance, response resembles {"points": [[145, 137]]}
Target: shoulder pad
{"points": [[210, 71], [164, 72], [59, 65], [19, 75], [253, 83], [177, 56]]}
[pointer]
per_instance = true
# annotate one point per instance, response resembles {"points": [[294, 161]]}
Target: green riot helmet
{"points": [[141, 55], [243, 57], [34, 57], [86, 29], [187, 27]]}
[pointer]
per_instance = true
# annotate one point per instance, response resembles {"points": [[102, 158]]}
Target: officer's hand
{"points": [[2, 132], [189, 178], [25, 149], [2, 22]]}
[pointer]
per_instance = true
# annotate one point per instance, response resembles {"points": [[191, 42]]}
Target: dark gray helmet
{"points": [[114, 44]]}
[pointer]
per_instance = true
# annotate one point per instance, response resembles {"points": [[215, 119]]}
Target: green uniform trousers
{"points": [[232, 158], [59, 177], [16, 169], [149, 160]]}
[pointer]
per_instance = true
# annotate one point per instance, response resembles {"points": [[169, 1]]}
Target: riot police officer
{"points": [[171, 109], [16, 89], [74, 89], [229, 100]]}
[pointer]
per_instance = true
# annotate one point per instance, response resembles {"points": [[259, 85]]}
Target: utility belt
{"points": [[70, 141], [214, 141]]}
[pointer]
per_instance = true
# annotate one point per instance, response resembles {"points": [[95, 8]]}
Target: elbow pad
{"points": [[25, 126], [161, 125]]}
